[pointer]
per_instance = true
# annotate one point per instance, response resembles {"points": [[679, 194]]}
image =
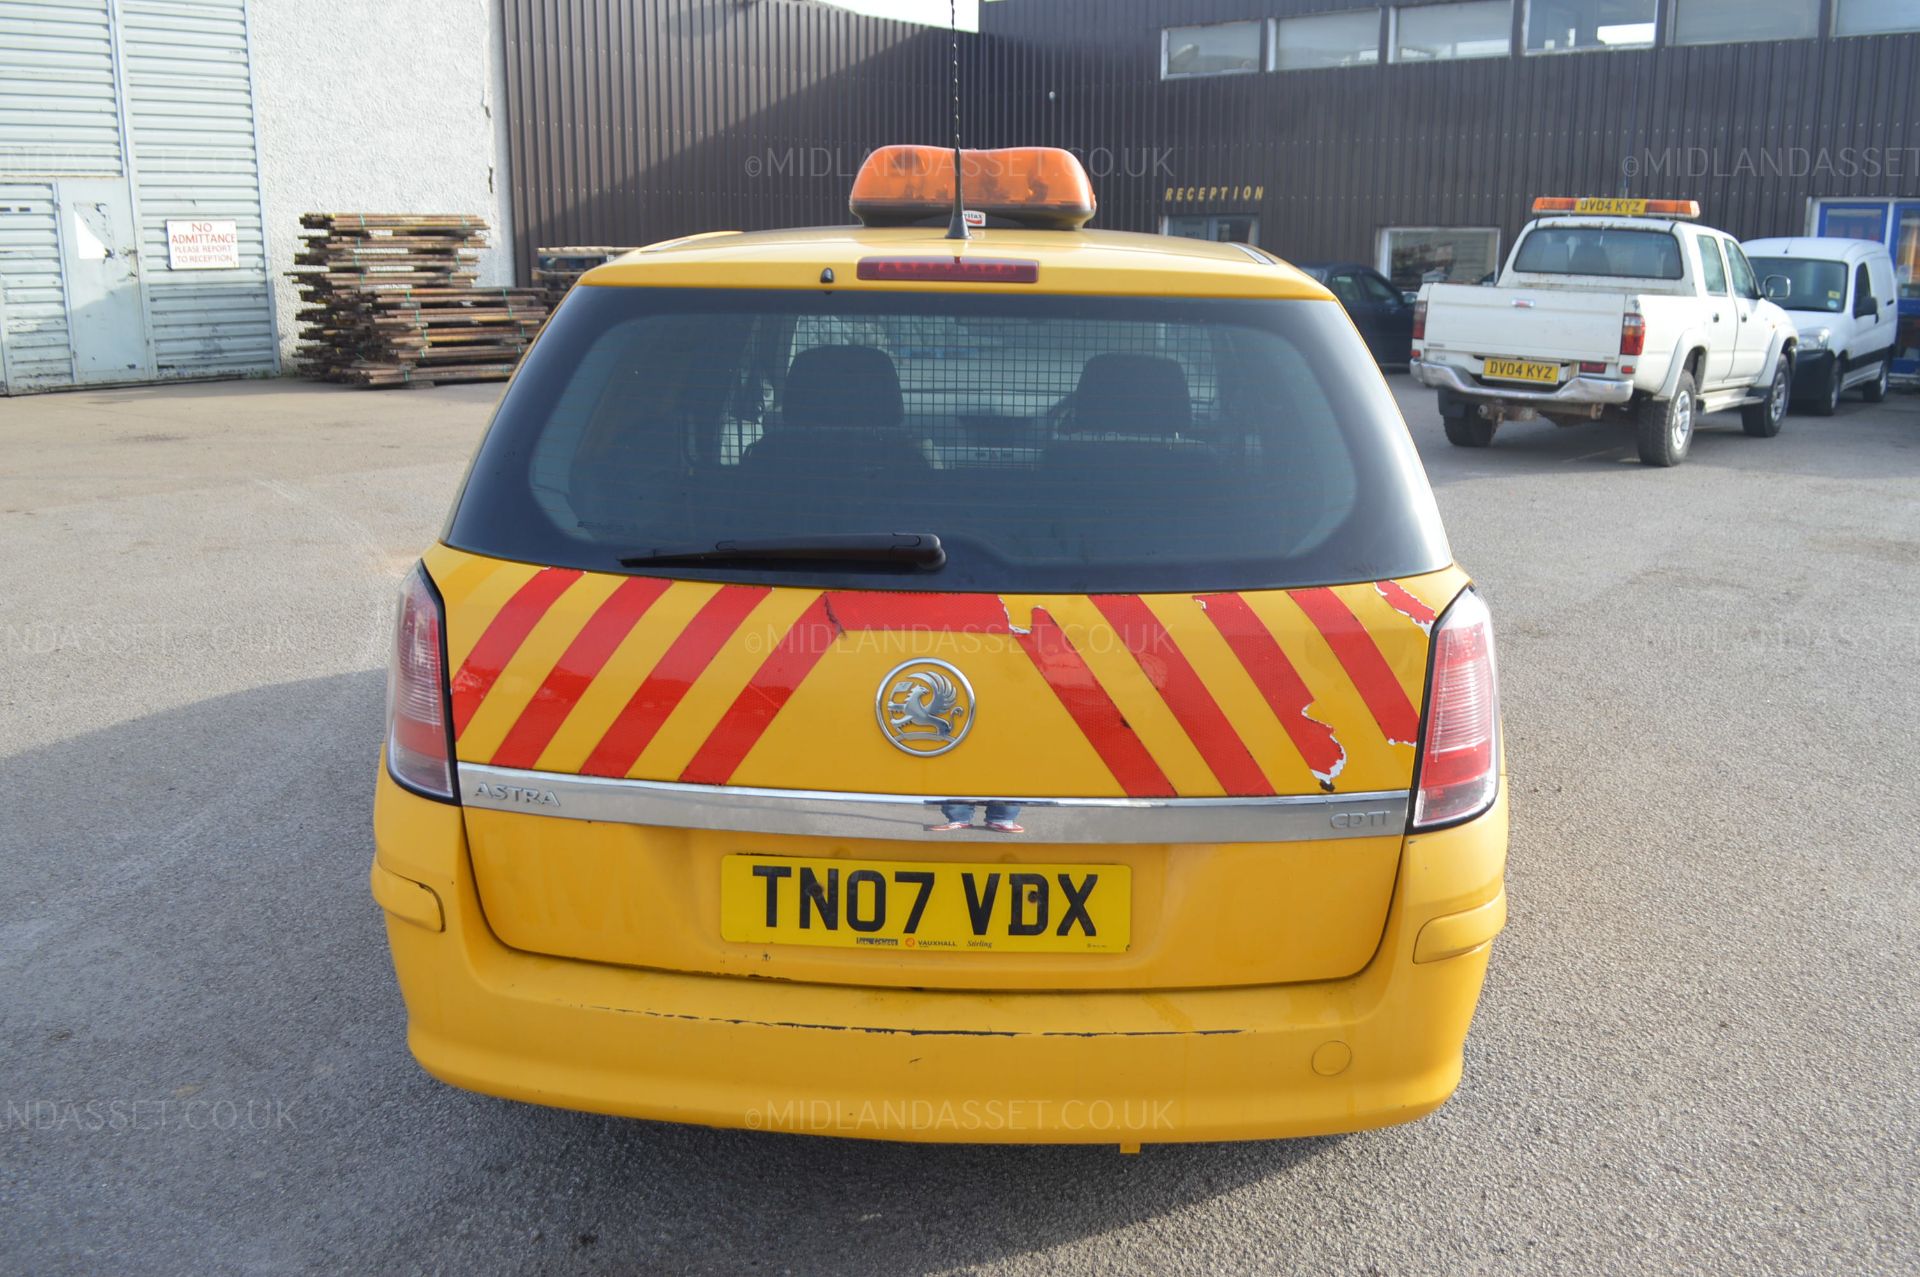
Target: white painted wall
{"points": [[373, 106], [964, 14]]}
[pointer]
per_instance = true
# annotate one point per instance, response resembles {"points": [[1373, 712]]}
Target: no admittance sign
{"points": [[202, 246]]}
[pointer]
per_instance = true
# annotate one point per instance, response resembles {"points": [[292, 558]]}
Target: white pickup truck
{"points": [[1617, 308]]}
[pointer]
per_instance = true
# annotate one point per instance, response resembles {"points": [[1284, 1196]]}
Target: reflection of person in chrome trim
{"points": [[1000, 818]]}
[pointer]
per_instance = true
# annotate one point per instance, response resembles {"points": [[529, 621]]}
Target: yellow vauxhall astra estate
{"points": [[888, 683]]}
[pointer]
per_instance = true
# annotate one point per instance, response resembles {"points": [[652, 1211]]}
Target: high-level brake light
{"points": [[1032, 185], [951, 270]]}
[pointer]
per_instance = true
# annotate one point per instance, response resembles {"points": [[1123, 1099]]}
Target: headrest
{"points": [[1122, 394], [1655, 257], [831, 387], [1590, 259]]}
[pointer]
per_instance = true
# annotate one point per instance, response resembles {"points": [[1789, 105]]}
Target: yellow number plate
{"points": [[940, 908], [1610, 207], [1520, 370]]}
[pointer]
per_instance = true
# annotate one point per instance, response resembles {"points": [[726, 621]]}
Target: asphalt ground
{"points": [[1697, 1050]]}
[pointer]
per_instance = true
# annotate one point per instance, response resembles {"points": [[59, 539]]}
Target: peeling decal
{"points": [[1327, 777], [1357, 653], [1185, 693], [1285, 692], [1403, 602], [833, 619]]}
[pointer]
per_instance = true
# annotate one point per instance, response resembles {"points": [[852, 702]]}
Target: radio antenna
{"points": [[957, 228]]}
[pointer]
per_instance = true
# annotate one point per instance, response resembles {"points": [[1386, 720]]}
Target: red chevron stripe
{"points": [[604, 631], [1168, 669], [791, 660], [502, 638], [1286, 693], [905, 612], [684, 661], [1372, 677], [1092, 710], [1045, 644], [1052, 653]]}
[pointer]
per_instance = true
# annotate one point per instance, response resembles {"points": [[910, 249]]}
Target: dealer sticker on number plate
{"points": [[1520, 370], [962, 908]]}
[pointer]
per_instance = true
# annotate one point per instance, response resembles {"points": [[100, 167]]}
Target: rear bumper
{"points": [[1381, 1047], [1582, 390]]}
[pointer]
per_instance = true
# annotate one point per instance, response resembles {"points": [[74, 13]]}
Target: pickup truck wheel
{"points": [[1762, 420], [1469, 431], [1666, 425], [1875, 391]]}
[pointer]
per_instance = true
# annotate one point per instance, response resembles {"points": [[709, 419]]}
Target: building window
{"points": [[1327, 40], [1234, 228], [1853, 221], [1731, 21], [1431, 32], [1906, 252], [1875, 17], [1226, 48], [1561, 26], [1414, 255]]}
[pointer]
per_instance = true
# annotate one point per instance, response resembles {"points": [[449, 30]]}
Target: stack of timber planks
{"points": [[555, 269], [390, 300]]}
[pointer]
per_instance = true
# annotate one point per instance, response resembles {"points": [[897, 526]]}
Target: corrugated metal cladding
{"points": [[1751, 130], [631, 123], [189, 102], [58, 113], [117, 116], [634, 122], [33, 297]]}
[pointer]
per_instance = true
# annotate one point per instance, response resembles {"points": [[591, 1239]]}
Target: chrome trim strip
{"points": [[832, 814]]}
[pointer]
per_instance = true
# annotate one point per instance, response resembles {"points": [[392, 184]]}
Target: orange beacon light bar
{"points": [[1606, 207], [1039, 186]]}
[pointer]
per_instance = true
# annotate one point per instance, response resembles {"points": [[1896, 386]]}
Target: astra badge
{"points": [[925, 707]]}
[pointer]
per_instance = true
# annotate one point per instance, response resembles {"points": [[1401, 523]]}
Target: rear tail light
{"points": [[1633, 334], [1420, 320], [1593, 365], [1460, 750], [419, 747]]}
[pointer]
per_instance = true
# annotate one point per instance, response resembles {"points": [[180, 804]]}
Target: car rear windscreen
{"points": [[1052, 443], [1588, 250]]}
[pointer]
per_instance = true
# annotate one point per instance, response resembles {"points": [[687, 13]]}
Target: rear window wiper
{"points": [[919, 550]]}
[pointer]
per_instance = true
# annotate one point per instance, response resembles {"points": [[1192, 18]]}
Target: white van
{"points": [[1842, 297]]}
